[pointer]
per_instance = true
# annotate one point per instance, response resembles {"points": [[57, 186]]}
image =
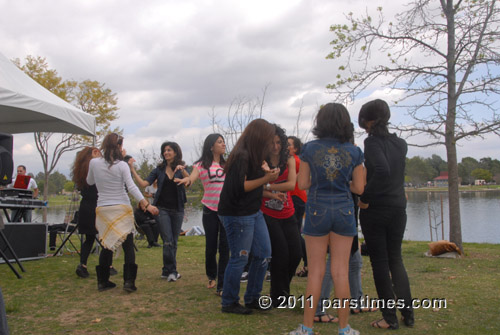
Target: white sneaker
{"points": [[350, 331], [300, 331], [172, 277], [244, 277]]}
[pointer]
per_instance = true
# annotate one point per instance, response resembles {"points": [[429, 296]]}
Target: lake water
{"points": [[480, 213]]}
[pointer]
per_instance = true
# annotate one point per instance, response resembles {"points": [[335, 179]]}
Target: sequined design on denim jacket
{"points": [[332, 160]]}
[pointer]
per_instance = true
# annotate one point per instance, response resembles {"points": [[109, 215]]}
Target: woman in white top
{"points": [[114, 214]]}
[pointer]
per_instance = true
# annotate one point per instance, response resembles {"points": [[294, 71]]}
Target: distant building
{"points": [[442, 180]]}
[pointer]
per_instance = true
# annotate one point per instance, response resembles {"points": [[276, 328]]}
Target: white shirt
{"points": [[111, 181]]}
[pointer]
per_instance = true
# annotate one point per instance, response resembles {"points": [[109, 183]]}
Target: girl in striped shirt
{"points": [[210, 169]]}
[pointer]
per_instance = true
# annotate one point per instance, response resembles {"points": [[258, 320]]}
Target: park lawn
{"points": [[51, 299]]}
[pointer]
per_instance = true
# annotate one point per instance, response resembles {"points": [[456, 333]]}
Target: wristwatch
{"points": [[268, 187]]}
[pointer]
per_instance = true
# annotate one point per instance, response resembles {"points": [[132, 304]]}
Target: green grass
{"points": [[51, 299]]}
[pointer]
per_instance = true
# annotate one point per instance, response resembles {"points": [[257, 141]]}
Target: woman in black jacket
{"points": [[383, 213]]}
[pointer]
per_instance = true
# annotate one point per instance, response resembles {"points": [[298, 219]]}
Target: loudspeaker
{"points": [[6, 161], [29, 240]]}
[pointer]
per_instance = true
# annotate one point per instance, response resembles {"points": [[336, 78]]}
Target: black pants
{"points": [[151, 231], [383, 229], [106, 256], [286, 254], [300, 209], [215, 237], [86, 248]]}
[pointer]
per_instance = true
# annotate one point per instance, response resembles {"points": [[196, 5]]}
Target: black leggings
{"points": [[86, 248], [106, 256]]}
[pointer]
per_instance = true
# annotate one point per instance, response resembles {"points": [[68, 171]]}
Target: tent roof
{"points": [[26, 106]]}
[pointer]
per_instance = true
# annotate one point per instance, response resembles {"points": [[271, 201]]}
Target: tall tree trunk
{"points": [[451, 147], [453, 195]]}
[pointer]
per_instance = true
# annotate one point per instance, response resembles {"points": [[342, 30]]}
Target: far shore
{"points": [[472, 188]]}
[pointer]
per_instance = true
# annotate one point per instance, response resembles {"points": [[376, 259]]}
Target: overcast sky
{"points": [[172, 62]]}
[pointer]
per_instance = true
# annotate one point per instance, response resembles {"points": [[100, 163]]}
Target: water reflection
{"points": [[479, 212]]}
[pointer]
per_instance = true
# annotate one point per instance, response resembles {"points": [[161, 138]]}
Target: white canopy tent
{"points": [[26, 106]]}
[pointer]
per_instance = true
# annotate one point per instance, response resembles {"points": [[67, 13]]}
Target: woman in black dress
{"points": [[88, 204]]}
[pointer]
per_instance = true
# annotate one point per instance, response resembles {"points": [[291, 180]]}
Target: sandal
{"points": [[329, 319], [302, 273], [211, 283], [378, 324]]}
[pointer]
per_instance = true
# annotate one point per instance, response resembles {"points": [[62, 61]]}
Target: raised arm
{"points": [[138, 179], [136, 193], [270, 175], [190, 179]]}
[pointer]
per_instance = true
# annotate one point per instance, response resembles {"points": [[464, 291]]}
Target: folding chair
{"points": [[140, 238]]}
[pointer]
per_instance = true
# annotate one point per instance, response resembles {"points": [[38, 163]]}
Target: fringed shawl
{"points": [[114, 223]]}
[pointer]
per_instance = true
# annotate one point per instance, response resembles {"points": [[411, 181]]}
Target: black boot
{"points": [[103, 282], [129, 275]]}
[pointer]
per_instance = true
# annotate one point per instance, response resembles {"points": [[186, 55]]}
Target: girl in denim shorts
{"points": [[331, 168]]}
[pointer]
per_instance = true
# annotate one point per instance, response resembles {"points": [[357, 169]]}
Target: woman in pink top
{"points": [[210, 169]]}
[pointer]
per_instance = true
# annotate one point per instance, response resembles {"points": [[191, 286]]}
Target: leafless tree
{"points": [[442, 57], [240, 113]]}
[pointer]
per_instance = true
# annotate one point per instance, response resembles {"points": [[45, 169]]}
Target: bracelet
{"points": [[147, 205]]}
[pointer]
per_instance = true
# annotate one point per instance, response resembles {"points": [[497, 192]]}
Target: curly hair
{"points": [[284, 153], [80, 167], [333, 120]]}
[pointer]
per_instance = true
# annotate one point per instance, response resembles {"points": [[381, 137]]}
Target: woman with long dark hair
{"points": [[239, 210], [170, 199], [331, 168], [299, 199], [210, 169], [278, 210], [114, 214], [88, 204], [383, 211]]}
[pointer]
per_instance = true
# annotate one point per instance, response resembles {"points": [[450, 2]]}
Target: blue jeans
{"points": [[169, 223], [245, 234], [355, 265], [25, 216]]}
